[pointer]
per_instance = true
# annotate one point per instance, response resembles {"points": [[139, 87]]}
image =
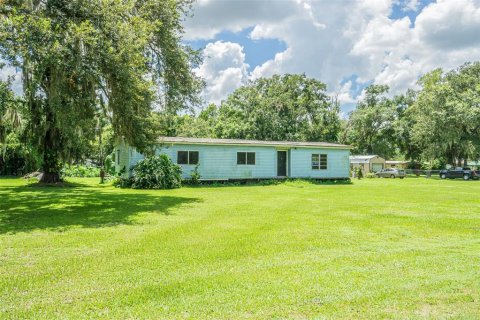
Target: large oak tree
{"points": [[290, 107], [85, 59], [447, 114], [370, 127]]}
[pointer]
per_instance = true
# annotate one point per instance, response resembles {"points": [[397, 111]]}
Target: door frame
{"points": [[286, 162]]}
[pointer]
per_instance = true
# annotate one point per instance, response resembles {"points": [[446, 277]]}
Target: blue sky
{"points": [[398, 10], [346, 44]]}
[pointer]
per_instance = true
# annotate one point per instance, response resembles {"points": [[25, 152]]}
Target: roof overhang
{"points": [[252, 143]]}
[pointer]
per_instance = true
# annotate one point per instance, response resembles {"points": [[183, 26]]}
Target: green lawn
{"points": [[377, 248]]}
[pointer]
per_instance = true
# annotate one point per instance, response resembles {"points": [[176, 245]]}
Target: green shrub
{"points": [[158, 172], [120, 182], [80, 171], [270, 182], [436, 164], [358, 173], [110, 164], [370, 175], [17, 158], [195, 176]]}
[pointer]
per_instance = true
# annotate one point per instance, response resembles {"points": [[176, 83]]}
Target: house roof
{"points": [[395, 162], [361, 159], [186, 140]]}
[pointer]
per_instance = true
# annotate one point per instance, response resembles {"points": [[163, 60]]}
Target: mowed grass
{"points": [[378, 248]]}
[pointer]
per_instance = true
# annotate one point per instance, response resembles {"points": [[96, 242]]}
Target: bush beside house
{"points": [[158, 172]]}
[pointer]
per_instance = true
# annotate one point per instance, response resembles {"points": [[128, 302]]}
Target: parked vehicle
{"points": [[462, 173], [391, 173]]}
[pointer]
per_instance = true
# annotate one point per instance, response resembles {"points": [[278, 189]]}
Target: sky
{"points": [[347, 44]]}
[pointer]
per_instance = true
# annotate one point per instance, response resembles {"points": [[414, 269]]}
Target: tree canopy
{"points": [[10, 119], [440, 121], [370, 126], [447, 113], [289, 107]]}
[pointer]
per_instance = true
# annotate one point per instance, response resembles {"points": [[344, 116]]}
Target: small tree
{"points": [[359, 173], [195, 175]]}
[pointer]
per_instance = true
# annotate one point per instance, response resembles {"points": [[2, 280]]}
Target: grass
{"points": [[377, 248]]}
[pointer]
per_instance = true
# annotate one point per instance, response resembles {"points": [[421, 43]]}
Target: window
{"points": [[182, 157], [241, 158], [251, 158], [118, 157], [319, 161], [246, 158], [193, 157], [187, 157]]}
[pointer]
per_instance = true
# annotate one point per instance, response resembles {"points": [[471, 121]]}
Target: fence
{"points": [[422, 173]]}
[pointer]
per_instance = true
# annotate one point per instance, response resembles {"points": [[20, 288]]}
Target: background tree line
{"points": [[438, 124]]}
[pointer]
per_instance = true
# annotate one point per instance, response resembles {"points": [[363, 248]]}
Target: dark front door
{"points": [[282, 163]]}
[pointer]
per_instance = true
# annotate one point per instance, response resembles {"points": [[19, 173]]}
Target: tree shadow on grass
{"points": [[28, 208]]}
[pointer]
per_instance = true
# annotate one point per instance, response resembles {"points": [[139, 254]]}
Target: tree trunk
{"points": [[51, 167], [51, 177], [459, 162]]}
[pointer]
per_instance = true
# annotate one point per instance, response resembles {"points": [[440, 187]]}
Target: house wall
{"points": [[125, 153], [338, 163], [220, 161]]}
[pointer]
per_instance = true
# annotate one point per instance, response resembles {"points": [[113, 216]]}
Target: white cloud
{"points": [[271, 67], [213, 16], [224, 69], [398, 73], [450, 24], [344, 96]]}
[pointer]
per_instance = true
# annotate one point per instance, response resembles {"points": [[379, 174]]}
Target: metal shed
{"points": [[368, 163]]}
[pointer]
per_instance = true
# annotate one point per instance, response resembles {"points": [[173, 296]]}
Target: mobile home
{"points": [[235, 159]]}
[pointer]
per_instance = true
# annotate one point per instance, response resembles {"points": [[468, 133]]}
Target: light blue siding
{"points": [[338, 163], [220, 161], [123, 157]]}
